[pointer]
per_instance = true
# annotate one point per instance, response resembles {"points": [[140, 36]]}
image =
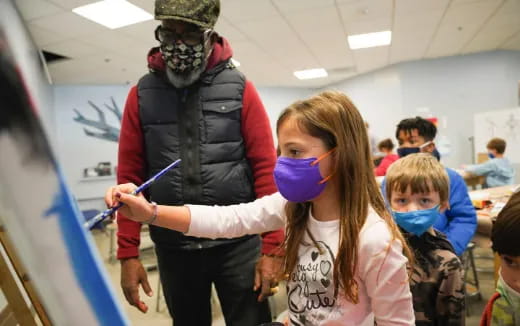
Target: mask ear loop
{"points": [[206, 40], [425, 144], [321, 157]]}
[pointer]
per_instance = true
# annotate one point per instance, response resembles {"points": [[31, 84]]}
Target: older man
{"points": [[195, 105]]}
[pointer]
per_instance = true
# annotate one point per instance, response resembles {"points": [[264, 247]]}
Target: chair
{"points": [[112, 228], [468, 261], [145, 247]]}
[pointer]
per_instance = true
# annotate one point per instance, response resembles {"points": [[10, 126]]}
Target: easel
{"points": [[17, 311]]}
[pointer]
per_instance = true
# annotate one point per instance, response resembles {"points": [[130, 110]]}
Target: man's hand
{"points": [[133, 275], [266, 276]]}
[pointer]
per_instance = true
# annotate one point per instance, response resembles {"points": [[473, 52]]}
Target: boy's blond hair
{"points": [[418, 171]]}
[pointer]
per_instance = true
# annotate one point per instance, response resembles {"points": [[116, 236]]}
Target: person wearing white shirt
{"points": [[344, 255]]}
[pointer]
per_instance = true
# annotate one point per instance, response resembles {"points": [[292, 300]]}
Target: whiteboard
{"points": [[504, 124]]}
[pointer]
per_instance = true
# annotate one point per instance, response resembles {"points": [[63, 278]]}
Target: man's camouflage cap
{"points": [[203, 13]]}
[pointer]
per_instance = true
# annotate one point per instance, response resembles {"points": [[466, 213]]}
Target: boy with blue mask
{"points": [[459, 221], [498, 169], [504, 306], [417, 189]]}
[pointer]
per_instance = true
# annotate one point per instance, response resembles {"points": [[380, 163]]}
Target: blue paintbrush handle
{"points": [[101, 216]]}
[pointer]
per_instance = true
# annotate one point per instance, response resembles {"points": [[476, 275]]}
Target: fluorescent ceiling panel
{"points": [[370, 40], [113, 13], [311, 73]]}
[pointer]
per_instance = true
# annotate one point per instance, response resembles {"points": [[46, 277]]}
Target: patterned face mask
{"points": [[182, 58]]}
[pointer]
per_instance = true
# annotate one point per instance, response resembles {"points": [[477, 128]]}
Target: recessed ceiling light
{"points": [[113, 13], [362, 41], [235, 62], [311, 73]]}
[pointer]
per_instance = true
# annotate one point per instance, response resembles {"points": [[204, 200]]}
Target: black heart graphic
{"points": [[325, 282], [314, 255], [324, 267]]}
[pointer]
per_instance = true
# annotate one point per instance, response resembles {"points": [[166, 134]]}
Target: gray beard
{"points": [[185, 80]]}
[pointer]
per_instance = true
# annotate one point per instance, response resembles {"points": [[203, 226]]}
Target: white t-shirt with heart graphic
{"points": [[383, 289], [310, 290]]}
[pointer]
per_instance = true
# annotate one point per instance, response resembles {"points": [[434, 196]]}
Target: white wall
{"points": [[276, 99], [75, 149], [452, 89], [378, 98]]}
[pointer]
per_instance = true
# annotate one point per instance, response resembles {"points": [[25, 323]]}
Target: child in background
{"points": [[497, 169], [343, 251], [386, 147], [504, 306], [418, 188]]}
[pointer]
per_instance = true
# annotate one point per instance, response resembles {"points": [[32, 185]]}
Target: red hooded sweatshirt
{"points": [[256, 132]]}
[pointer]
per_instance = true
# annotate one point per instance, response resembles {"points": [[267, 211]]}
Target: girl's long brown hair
{"points": [[333, 118]]}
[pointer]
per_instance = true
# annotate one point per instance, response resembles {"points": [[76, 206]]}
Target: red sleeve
{"points": [[380, 171], [131, 168], [260, 152]]}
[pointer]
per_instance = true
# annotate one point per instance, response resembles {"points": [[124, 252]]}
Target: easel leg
{"points": [[13, 295], [7, 317], [19, 271]]}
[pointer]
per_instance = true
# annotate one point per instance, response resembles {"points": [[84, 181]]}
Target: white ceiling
{"points": [[273, 38]]}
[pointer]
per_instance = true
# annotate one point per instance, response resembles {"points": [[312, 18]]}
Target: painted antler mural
{"points": [[108, 132]]}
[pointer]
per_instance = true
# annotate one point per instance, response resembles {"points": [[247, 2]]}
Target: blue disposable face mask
{"points": [[491, 156], [403, 151], [417, 222]]}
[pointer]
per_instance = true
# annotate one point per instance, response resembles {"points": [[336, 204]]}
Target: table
{"points": [[471, 179], [495, 195], [498, 197]]}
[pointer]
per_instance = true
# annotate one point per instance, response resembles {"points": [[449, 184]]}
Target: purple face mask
{"points": [[299, 180]]}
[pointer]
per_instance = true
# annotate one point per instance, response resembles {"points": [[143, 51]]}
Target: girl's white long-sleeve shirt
{"points": [[383, 288]]}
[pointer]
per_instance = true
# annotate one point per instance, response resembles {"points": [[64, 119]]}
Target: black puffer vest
{"points": [[201, 125]]}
